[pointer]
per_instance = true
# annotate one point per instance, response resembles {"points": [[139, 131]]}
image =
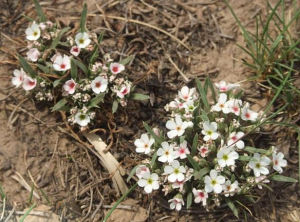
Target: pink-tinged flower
{"points": [[70, 86], [149, 182], [143, 145], [99, 84], [235, 139], [75, 50], [141, 170], [259, 164], [248, 114], [221, 105], [176, 104], [123, 91], [230, 188], [29, 83], [278, 161], [178, 184], [33, 54], [210, 131], [234, 106], [204, 151], [116, 68], [187, 94], [33, 32], [224, 87], [182, 150], [166, 153], [200, 196], [177, 127], [176, 203], [18, 78], [261, 179], [62, 63], [174, 171]]}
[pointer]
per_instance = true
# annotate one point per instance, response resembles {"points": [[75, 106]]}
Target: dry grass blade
{"points": [[109, 162], [186, 79], [23, 182]]}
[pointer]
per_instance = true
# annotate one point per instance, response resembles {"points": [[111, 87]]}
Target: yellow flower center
{"points": [[213, 182], [257, 165], [225, 157], [209, 132], [81, 41], [176, 171], [35, 33], [149, 181]]}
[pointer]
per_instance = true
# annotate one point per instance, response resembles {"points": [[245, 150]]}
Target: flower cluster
{"points": [[68, 69], [204, 154]]}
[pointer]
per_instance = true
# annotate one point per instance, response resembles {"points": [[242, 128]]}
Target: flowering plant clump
{"points": [[204, 157], [66, 67]]}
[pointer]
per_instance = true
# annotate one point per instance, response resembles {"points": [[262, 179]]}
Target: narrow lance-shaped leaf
{"points": [[189, 200], [81, 66], [284, 179], [232, 207], [58, 38], [139, 96], [157, 139], [83, 18], [115, 106], [96, 100], [195, 144], [127, 60], [27, 68], [193, 162], [202, 94], [74, 70], [59, 105], [39, 11], [131, 174]]}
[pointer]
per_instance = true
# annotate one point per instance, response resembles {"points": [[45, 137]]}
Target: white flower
{"points": [[261, 179], [227, 157], [166, 153], [182, 150], [248, 114], [187, 94], [259, 164], [141, 170], [82, 39], [176, 104], [62, 63], [33, 54], [203, 151], [18, 78], [200, 196], [123, 91], [235, 138], [99, 84], [116, 68], [209, 131], [175, 171], [70, 86], [221, 105], [229, 188], [234, 106], [149, 182], [224, 87], [143, 145], [178, 184], [176, 203], [33, 32], [29, 83], [278, 161], [214, 182], [177, 127], [189, 106], [82, 119], [75, 50]]}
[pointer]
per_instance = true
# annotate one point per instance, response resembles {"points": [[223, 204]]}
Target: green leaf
{"points": [[139, 96], [283, 179], [27, 68], [157, 139], [45, 69], [27, 213], [198, 175], [202, 94], [94, 56], [195, 144], [193, 162], [81, 66], [115, 106], [83, 18], [126, 60], [96, 100], [59, 105], [244, 158], [189, 200], [232, 207], [58, 37], [154, 157], [39, 11], [100, 38], [255, 150], [74, 70], [56, 82], [212, 89], [131, 174]]}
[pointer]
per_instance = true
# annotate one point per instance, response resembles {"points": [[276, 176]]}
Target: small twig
{"points": [[23, 182], [3, 209], [124, 207], [10, 214], [34, 213], [186, 79]]}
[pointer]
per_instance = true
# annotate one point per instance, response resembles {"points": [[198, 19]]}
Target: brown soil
{"points": [[35, 147]]}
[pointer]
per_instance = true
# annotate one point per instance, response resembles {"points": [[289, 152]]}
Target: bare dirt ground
{"points": [[36, 149]]}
